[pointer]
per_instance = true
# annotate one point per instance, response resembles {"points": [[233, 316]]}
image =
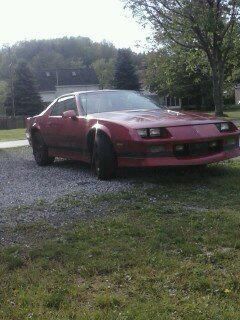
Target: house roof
{"points": [[48, 79]]}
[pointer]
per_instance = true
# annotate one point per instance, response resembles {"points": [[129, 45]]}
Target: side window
{"points": [[70, 104], [58, 108], [64, 104]]}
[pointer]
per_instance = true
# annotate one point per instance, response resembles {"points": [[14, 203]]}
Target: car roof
{"points": [[91, 91]]}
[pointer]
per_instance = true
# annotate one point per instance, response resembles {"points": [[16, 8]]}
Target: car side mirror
{"points": [[70, 114]]}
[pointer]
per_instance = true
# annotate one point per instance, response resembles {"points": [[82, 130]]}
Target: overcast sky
{"points": [[97, 19]]}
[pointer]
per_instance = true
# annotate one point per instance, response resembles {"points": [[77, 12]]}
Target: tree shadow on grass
{"points": [[165, 175], [180, 174]]}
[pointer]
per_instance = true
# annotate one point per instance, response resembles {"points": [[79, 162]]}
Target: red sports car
{"points": [[118, 128]]}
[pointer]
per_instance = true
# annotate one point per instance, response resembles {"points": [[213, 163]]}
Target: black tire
{"points": [[201, 167], [40, 151], [104, 158]]}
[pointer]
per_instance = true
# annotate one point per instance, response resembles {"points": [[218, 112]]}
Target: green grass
{"points": [[168, 249], [235, 115], [14, 134], [231, 114]]}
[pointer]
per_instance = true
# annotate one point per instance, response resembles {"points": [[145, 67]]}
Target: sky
{"points": [[46, 19]]}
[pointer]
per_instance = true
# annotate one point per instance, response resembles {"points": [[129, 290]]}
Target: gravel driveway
{"points": [[23, 182], [32, 195]]}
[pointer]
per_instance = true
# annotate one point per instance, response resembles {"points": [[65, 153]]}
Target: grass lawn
{"points": [[169, 249], [235, 115], [231, 115], [14, 134]]}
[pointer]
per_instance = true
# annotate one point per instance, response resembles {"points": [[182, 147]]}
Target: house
{"points": [[171, 102], [165, 101], [54, 83]]}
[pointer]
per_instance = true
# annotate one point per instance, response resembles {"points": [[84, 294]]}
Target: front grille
{"points": [[199, 149]]}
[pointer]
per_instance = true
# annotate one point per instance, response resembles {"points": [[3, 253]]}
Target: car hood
{"points": [[154, 118]]}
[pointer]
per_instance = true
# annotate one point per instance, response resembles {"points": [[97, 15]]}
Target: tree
{"points": [[46, 60], [125, 76], [206, 25], [181, 74], [3, 94], [27, 99], [67, 52], [105, 72]]}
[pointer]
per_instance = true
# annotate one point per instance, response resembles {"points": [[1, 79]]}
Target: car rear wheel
{"points": [[104, 158], [40, 151]]}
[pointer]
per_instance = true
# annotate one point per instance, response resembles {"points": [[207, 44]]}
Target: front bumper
{"points": [[173, 161], [195, 152]]}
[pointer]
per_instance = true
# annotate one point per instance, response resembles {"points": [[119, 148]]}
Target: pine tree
{"points": [[125, 76], [27, 100]]}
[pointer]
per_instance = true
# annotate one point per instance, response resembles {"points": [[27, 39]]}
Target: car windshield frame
{"points": [[98, 105]]}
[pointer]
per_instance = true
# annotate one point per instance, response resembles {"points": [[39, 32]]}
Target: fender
{"points": [[103, 128], [35, 126]]}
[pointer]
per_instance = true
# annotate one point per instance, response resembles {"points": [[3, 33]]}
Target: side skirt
{"points": [[69, 153]]}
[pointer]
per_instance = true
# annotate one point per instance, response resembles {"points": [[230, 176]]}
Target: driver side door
{"points": [[66, 133], [53, 127], [72, 128]]}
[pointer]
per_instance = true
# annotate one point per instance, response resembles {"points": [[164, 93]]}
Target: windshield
{"points": [[108, 101]]}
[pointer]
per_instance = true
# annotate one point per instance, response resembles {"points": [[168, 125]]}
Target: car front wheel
{"points": [[40, 151], [104, 158]]}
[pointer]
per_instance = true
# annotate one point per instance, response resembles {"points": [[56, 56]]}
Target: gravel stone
{"points": [[23, 182], [30, 195]]}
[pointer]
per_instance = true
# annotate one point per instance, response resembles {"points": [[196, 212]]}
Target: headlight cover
{"points": [[151, 132], [155, 132], [143, 133]]}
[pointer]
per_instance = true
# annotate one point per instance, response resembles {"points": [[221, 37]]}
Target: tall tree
{"points": [[206, 25], [125, 76], [182, 74], [72, 52], [105, 72], [27, 99], [3, 93]]}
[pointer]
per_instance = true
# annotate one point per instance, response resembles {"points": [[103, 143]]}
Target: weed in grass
{"points": [[12, 258], [108, 301], [55, 299]]}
